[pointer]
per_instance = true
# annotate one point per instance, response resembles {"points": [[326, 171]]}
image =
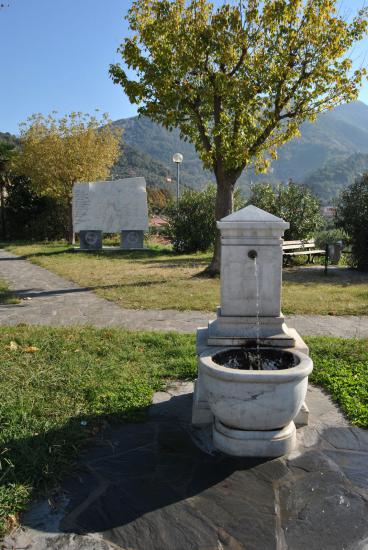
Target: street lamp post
{"points": [[178, 159]]}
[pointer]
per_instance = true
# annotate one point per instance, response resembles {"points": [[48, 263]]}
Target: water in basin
{"points": [[255, 359]]}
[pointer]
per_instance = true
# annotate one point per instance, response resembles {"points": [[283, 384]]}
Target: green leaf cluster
{"points": [[293, 203], [56, 153], [238, 80], [31, 217], [192, 223], [352, 216]]}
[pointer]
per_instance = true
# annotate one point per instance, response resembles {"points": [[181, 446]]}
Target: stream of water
{"points": [[257, 312]]}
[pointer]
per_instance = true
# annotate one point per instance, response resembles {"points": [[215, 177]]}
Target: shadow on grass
{"points": [[40, 461], [126, 471], [340, 276], [35, 255], [179, 261], [111, 254], [146, 485], [205, 274], [166, 258]]}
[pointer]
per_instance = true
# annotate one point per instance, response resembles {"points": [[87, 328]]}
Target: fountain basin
{"points": [[245, 399]]}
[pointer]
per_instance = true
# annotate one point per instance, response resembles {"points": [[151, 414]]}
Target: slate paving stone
{"points": [[353, 465], [150, 487], [109, 444], [81, 489], [127, 465], [352, 438], [322, 512]]}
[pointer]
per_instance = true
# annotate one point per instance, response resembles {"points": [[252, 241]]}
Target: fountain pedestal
{"points": [[250, 316]]}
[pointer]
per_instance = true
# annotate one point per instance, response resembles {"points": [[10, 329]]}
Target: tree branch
{"points": [[200, 124], [239, 63]]}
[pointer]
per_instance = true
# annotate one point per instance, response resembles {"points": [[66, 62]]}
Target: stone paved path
{"points": [[51, 300], [150, 487]]}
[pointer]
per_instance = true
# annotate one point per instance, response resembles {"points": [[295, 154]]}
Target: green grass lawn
{"points": [[159, 279], [54, 379], [6, 295], [59, 386]]}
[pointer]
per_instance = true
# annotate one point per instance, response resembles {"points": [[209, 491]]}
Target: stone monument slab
{"points": [[110, 206]]}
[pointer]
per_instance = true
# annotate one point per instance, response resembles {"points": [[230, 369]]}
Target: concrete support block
{"points": [[90, 239]]}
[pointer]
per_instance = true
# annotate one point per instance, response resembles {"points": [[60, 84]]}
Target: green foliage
{"points": [[287, 61], [294, 203], [352, 216], [56, 153], [321, 158], [340, 367], [238, 80], [330, 236], [6, 137], [192, 224], [31, 217], [7, 150]]}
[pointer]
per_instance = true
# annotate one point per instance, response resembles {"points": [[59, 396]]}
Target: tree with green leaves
{"points": [[57, 153], [7, 151], [292, 202], [239, 80], [352, 217]]}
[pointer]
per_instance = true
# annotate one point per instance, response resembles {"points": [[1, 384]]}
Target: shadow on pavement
{"points": [[148, 486]]}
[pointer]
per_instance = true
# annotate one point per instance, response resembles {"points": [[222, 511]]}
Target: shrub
{"points": [[294, 203], [330, 236], [192, 225], [32, 217], [352, 216]]}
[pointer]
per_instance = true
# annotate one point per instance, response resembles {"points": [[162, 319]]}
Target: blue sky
{"points": [[55, 55]]}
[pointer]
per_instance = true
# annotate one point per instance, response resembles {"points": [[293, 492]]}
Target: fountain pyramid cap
{"points": [[252, 217]]}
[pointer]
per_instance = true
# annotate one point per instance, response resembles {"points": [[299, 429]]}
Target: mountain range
{"points": [[329, 155]]}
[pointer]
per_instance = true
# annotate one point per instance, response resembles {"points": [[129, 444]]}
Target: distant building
{"points": [[328, 211], [157, 221]]}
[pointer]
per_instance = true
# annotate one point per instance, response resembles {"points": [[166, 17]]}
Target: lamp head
{"points": [[178, 158]]}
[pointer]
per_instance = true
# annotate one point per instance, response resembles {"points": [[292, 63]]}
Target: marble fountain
{"points": [[252, 369]]}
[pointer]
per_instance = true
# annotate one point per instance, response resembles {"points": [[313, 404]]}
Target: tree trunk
{"points": [[224, 207], [71, 234]]}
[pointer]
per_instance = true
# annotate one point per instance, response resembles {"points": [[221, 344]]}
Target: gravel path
{"points": [[48, 299]]}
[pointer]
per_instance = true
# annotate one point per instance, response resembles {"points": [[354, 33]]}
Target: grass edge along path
{"points": [[7, 297], [156, 278], [60, 386]]}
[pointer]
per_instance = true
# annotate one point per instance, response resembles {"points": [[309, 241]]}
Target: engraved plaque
{"points": [[110, 206]]}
